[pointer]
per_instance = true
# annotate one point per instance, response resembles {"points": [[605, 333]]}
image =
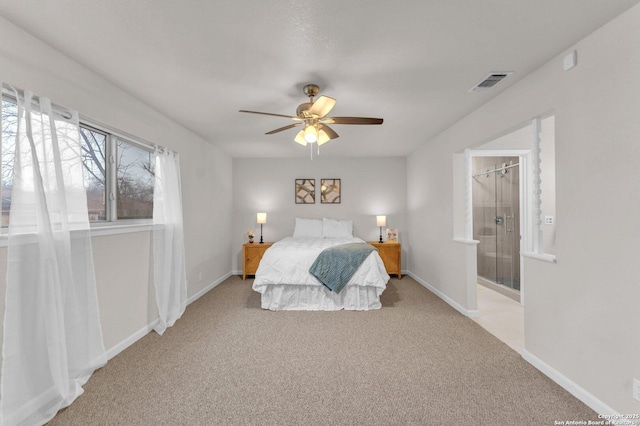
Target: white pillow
{"points": [[336, 228], [308, 228]]}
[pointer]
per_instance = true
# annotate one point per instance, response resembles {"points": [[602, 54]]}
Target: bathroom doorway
{"points": [[496, 222]]}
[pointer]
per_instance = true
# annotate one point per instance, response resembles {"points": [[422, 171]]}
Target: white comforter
{"points": [[288, 262]]}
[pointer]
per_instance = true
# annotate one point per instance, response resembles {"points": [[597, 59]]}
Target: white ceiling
{"points": [[411, 63]]}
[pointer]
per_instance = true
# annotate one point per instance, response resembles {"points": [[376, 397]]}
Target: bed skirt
{"points": [[287, 297]]}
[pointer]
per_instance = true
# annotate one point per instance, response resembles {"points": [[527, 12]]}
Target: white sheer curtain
{"points": [[52, 334], [169, 273]]}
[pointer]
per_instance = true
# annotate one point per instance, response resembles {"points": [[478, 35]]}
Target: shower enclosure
{"points": [[496, 221]]}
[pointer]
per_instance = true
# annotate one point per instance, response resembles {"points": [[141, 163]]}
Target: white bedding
{"points": [[285, 283]]}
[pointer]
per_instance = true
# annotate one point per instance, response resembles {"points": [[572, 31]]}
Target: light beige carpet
{"points": [[415, 361]]}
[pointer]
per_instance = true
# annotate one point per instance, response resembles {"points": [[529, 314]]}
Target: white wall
{"points": [[370, 187], [127, 302], [522, 139], [581, 313]]}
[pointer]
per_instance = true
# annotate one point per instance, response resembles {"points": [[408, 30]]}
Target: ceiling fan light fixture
{"points": [[312, 116], [311, 134]]}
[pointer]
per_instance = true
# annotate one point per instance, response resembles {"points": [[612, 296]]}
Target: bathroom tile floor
{"points": [[502, 317]]}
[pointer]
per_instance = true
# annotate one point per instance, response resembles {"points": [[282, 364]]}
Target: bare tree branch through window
{"points": [[133, 169]]}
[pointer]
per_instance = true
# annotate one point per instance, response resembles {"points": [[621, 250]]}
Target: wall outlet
{"points": [[548, 220], [636, 389], [570, 60]]}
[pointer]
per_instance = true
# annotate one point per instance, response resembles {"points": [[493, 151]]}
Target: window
{"points": [[127, 173], [94, 144], [9, 129], [135, 181]]}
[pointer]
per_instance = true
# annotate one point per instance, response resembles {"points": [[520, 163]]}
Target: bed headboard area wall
{"points": [[369, 186]]}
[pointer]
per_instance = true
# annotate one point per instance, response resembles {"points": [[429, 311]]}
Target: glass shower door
{"points": [[496, 218], [507, 226]]}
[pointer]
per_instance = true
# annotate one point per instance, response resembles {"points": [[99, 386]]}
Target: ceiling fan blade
{"points": [[290, 126], [351, 120], [300, 138], [325, 134], [275, 115], [322, 106]]}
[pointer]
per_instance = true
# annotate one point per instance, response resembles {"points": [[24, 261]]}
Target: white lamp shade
{"points": [[323, 137], [310, 134], [300, 138], [381, 221], [262, 218]]}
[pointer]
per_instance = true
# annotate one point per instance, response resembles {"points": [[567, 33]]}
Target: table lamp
{"points": [[262, 218], [381, 221]]}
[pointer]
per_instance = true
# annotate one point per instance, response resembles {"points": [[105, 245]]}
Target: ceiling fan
{"points": [[313, 117]]}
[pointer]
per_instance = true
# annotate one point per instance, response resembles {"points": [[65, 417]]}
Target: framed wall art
{"points": [[330, 191], [305, 191]]}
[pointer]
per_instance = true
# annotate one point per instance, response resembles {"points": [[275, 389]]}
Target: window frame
{"points": [[112, 220]]}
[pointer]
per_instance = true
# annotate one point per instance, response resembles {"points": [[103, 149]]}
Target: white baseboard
{"points": [[131, 340], [148, 328], [205, 290], [472, 313], [570, 386]]}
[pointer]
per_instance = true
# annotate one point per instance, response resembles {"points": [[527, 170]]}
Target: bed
{"points": [[285, 283]]}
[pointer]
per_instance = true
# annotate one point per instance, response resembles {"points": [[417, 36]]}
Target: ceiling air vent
{"points": [[491, 80]]}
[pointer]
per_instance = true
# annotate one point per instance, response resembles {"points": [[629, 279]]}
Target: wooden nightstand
{"points": [[391, 255], [251, 255]]}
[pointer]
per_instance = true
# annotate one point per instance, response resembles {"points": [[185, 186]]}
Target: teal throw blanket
{"points": [[335, 266]]}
